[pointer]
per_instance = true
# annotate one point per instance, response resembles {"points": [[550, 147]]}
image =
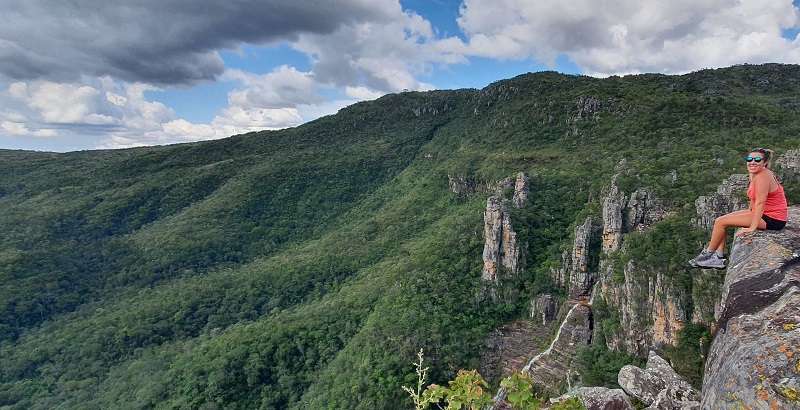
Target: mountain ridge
{"points": [[308, 265]]}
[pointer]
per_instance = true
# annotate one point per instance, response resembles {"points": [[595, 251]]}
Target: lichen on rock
{"points": [[753, 360], [658, 385]]}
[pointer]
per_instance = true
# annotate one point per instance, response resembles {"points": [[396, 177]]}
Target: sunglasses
{"points": [[751, 159]]}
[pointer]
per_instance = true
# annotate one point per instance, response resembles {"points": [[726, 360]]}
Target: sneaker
{"points": [[705, 254], [714, 262]]}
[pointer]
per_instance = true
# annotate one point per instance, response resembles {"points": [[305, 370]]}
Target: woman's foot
{"points": [[714, 261], [705, 254]]}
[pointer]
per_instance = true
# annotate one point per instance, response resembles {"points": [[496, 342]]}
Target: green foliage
{"points": [[569, 404], [302, 268], [599, 366], [520, 392], [420, 400], [688, 356], [467, 391]]}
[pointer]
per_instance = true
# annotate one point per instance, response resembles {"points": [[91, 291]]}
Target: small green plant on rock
{"points": [[519, 392], [470, 391], [420, 399], [570, 404], [466, 391]]}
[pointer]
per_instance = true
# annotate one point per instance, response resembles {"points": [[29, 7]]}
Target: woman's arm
{"points": [[762, 182]]}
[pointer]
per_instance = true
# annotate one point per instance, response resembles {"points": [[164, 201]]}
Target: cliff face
{"points": [[760, 296], [501, 248], [729, 197], [651, 310], [754, 361]]}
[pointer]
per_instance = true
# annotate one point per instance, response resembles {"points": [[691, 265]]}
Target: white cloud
{"points": [[374, 48], [65, 103], [20, 129], [283, 87], [384, 57], [630, 36], [362, 93]]}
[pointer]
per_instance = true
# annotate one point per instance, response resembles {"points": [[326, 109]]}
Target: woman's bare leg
{"points": [[739, 218]]}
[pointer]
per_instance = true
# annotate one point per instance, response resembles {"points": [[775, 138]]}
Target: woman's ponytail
{"points": [[768, 155]]}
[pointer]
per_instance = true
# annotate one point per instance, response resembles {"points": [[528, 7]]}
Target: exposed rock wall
{"points": [[613, 203], [754, 360], [492, 236], [501, 247], [581, 277], [651, 310], [544, 309], [521, 190], [728, 198], [467, 185], [642, 210]]}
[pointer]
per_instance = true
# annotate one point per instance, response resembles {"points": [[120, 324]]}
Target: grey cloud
{"points": [[155, 41]]}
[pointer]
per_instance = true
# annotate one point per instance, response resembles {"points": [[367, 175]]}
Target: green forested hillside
{"points": [[304, 268]]}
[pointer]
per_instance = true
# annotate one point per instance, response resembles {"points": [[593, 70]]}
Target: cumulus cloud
{"points": [[86, 68], [630, 36], [362, 93], [20, 129], [156, 41], [281, 88], [381, 56]]}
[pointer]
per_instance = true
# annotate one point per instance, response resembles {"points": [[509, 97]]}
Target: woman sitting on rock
{"points": [[768, 210]]}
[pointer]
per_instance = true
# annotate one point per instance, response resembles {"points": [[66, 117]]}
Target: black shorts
{"points": [[773, 224]]}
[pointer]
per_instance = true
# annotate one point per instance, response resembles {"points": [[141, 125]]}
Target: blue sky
{"points": [[478, 72], [80, 75]]}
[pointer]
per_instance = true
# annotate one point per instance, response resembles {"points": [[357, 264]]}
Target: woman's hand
{"points": [[745, 231]]}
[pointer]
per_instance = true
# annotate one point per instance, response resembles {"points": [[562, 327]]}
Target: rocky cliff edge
{"points": [[754, 360]]}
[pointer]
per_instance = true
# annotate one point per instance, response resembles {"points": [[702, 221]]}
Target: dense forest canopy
{"points": [[304, 268]]}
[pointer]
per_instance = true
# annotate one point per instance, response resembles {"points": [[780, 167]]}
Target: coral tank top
{"points": [[776, 206]]}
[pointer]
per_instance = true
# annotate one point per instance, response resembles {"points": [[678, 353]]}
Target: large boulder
{"points": [[658, 385], [754, 360]]}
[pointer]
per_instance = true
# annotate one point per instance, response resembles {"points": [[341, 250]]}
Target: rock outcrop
{"points": [[728, 198], [521, 190], [578, 268], [581, 278], [754, 360], [463, 186], [598, 398], [642, 210], [501, 247], [658, 385], [544, 309], [788, 164], [551, 367], [613, 203], [651, 309]]}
